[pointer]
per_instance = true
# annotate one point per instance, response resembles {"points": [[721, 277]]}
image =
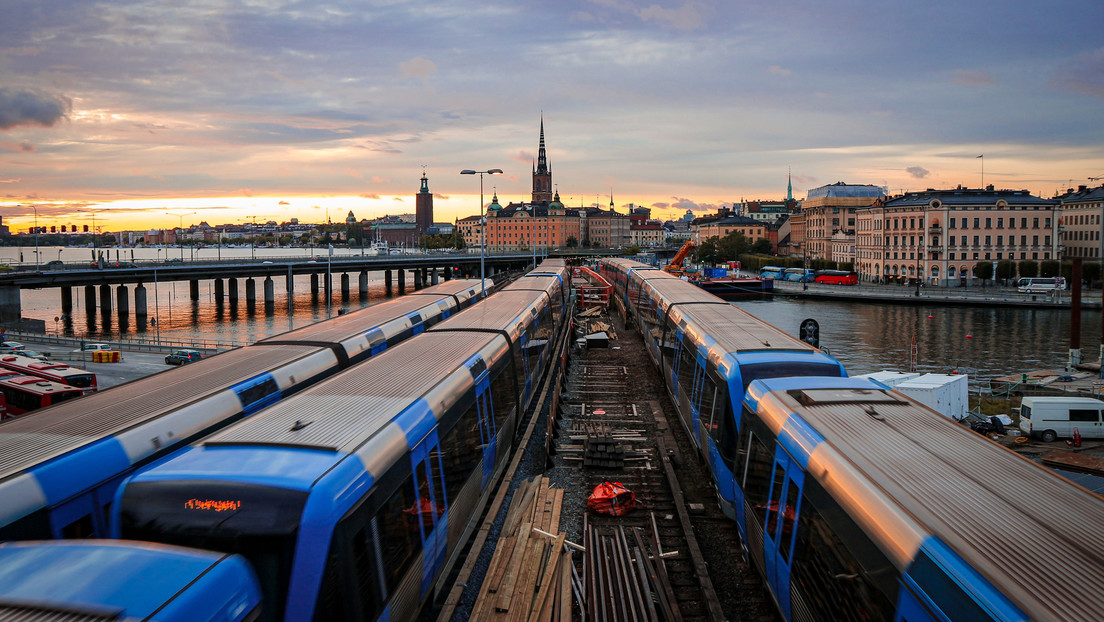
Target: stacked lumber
{"points": [[531, 577]]}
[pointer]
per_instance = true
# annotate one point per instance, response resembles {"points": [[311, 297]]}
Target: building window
{"points": [[977, 223], [988, 240], [988, 223], [952, 225], [1000, 223]]}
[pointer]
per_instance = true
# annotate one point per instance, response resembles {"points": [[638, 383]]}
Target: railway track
{"points": [[615, 430]]}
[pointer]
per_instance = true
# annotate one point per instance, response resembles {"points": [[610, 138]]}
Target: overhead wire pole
{"points": [[482, 224], [181, 229]]}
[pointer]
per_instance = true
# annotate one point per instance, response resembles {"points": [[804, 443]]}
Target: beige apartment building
{"points": [[940, 236], [830, 211], [1080, 224]]}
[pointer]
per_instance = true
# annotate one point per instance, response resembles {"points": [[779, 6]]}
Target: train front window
{"points": [[259, 522], [785, 369]]}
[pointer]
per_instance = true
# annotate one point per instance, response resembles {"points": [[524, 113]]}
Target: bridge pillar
{"points": [[387, 281], [140, 308], [233, 287], [193, 289], [433, 275], [344, 285], [362, 283], [314, 284], [121, 293], [448, 273], [219, 290], [269, 292], [328, 282], [10, 309], [90, 300], [425, 277], [417, 279], [402, 281], [105, 299], [250, 290], [67, 301]]}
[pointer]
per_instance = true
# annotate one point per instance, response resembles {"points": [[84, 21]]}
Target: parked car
{"points": [[32, 354], [11, 346], [92, 347], [180, 357], [54, 264]]}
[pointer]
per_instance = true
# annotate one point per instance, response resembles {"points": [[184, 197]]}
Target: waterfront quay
{"points": [[425, 269], [994, 296]]}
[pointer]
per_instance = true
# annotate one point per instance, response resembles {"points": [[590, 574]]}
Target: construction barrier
{"points": [[106, 356]]}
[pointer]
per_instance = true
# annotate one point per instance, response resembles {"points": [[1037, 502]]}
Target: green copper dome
{"points": [[494, 206]]}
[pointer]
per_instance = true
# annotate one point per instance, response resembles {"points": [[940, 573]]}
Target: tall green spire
{"points": [[789, 185]]}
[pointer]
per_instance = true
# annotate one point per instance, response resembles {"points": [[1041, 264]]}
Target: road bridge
{"points": [[426, 269]]}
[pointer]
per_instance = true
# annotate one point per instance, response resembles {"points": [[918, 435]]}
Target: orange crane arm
{"points": [[680, 256]]}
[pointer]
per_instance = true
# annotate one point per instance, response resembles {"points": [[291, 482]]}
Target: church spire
{"points": [[542, 157], [789, 185]]}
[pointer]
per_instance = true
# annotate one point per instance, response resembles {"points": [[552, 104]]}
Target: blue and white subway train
{"points": [[854, 502], [102, 580], [353, 498], [858, 503], [708, 351], [59, 469]]}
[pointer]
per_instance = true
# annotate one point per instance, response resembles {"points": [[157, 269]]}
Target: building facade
{"points": [[940, 236], [830, 210], [1081, 225]]}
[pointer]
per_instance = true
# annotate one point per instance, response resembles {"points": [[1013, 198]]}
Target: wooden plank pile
{"points": [[531, 577]]}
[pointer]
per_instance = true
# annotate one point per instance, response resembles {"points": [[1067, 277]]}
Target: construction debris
{"points": [[531, 577]]}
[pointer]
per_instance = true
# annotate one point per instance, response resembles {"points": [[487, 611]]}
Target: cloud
{"points": [[283, 203], [369, 195], [779, 71], [23, 146], [661, 205], [687, 17], [973, 78], [399, 199], [418, 68], [10, 181], [31, 108], [918, 172], [525, 157], [443, 197], [682, 203], [1084, 74]]}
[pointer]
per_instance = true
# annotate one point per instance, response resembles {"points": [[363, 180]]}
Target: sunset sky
{"points": [[145, 111]]}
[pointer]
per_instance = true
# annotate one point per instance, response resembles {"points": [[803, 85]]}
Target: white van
{"points": [[1041, 285], [1048, 418]]}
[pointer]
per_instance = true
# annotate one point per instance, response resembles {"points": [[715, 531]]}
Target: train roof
{"points": [[358, 322], [674, 290], [503, 313], [56, 430], [99, 580], [1024, 528], [735, 330], [343, 412]]}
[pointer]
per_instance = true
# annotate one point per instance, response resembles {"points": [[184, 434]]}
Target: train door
{"points": [[783, 510], [676, 362], [484, 406], [430, 505], [696, 397], [525, 366]]}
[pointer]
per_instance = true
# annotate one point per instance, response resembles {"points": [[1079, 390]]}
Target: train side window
{"points": [[841, 572], [330, 605], [80, 528], [944, 590], [503, 395], [789, 515], [461, 451], [723, 431], [398, 534], [775, 506], [687, 366], [757, 477]]}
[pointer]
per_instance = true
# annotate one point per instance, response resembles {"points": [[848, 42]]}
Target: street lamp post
{"points": [[36, 235], [181, 229], [482, 222]]}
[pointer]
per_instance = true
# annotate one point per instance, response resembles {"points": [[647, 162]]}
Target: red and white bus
{"points": [[57, 372], [23, 394], [836, 277]]}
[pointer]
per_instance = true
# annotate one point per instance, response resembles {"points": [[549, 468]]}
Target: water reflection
{"points": [[986, 342]]}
